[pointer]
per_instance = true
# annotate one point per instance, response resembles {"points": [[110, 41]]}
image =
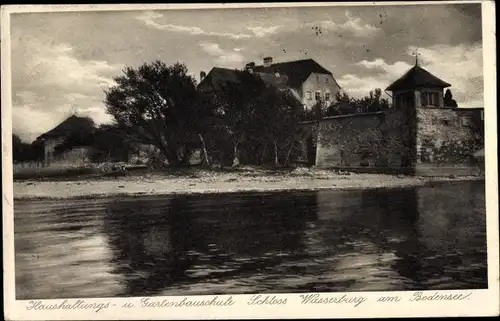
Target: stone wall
{"points": [[371, 140], [446, 141], [421, 141]]}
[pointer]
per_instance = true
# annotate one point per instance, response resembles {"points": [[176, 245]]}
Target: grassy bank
{"points": [[196, 180]]}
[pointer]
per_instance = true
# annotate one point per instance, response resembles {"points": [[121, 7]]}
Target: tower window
{"points": [[430, 99]]}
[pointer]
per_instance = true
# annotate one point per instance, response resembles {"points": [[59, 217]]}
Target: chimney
{"points": [[268, 61], [202, 75]]}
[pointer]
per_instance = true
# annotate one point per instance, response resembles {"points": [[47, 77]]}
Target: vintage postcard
{"points": [[236, 161]]}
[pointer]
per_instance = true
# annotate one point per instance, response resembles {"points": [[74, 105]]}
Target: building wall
{"points": [[49, 146], [446, 141], [321, 83], [75, 156]]}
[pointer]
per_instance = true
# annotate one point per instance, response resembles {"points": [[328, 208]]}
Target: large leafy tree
{"points": [[236, 104], [256, 120], [277, 125], [110, 143], [159, 105]]}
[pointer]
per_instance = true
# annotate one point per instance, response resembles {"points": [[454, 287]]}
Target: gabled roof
{"points": [[296, 71], [417, 77], [217, 77], [71, 125]]}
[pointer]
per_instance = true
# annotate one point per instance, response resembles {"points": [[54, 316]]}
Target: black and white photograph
{"points": [[258, 150]]}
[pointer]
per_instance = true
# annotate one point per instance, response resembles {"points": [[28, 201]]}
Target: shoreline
{"points": [[157, 185]]}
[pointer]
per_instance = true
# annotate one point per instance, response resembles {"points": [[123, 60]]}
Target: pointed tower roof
{"points": [[417, 77]]}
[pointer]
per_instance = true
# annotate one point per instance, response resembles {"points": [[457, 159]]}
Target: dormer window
{"points": [[430, 99]]}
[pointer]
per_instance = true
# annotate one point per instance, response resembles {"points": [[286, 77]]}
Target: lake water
{"points": [[369, 240]]}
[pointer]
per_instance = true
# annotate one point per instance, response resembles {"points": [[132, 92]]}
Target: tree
{"points": [[345, 105], [110, 143], [236, 104], [19, 149], [22, 152], [317, 111], [342, 105], [277, 125], [159, 105], [448, 99]]}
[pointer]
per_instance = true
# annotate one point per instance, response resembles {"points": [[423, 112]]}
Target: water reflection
{"points": [[185, 239], [425, 238], [149, 242]]}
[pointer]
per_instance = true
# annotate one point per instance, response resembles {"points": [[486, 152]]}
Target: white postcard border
{"points": [[471, 303]]}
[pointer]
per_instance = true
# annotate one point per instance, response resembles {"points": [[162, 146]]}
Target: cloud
{"points": [[460, 65], [149, 19], [49, 82], [352, 25], [394, 70], [228, 58], [264, 31]]}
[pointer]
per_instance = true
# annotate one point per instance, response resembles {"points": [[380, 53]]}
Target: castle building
{"points": [[308, 81]]}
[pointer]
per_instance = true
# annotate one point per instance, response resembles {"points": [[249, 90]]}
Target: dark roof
{"points": [[296, 71], [219, 76], [70, 125], [417, 77]]}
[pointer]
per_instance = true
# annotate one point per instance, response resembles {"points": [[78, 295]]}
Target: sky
{"points": [[63, 61]]}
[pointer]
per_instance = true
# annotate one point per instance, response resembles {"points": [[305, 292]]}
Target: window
{"points": [[405, 100], [326, 80], [317, 96], [327, 96], [317, 79], [309, 95], [430, 99]]}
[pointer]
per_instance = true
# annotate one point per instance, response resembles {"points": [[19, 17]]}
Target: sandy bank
{"points": [[155, 184]]}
